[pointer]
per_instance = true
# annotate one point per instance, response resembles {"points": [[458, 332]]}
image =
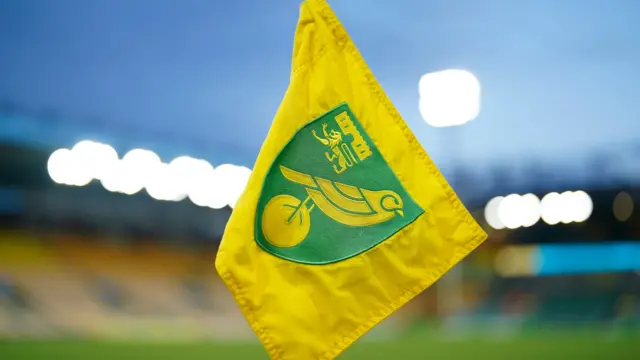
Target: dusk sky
{"points": [[558, 77]]}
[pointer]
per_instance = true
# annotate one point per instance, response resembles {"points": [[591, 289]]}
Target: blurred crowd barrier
{"points": [[63, 286]]}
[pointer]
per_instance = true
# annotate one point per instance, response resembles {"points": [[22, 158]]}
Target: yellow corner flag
{"points": [[345, 218]]}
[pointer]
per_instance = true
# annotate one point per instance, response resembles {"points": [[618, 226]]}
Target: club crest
{"points": [[330, 195]]}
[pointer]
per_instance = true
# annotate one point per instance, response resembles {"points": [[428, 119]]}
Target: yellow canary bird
{"points": [[348, 204]]}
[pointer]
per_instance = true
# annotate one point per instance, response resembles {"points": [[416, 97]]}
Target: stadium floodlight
{"points": [[510, 211], [519, 211], [583, 206], [199, 194], [94, 160], [164, 184], [568, 207], [65, 167], [59, 166], [530, 213], [491, 213], [187, 171], [142, 169], [133, 172], [206, 190], [84, 165], [515, 211], [220, 188], [449, 97], [113, 181], [551, 208]]}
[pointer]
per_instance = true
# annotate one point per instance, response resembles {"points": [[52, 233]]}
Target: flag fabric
{"points": [[345, 218]]}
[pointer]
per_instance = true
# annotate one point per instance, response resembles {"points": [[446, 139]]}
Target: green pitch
{"points": [[560, 347]]}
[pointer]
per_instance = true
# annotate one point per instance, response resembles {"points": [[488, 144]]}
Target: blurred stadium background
{"points": [[109, 228]]}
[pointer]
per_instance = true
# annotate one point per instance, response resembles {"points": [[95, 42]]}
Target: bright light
{"points": [[491, 213], [187, 171], [71, 167], [449, 97], [139, 168], [221, 188], [83, 167], [519, 211], [164, 184], [583, 206], [514, 211], [207, 191], [551, 208], [566, 208], [59, 165], [510, 211], [95, 160], [136, 170], [115, 180], [530, 210]]}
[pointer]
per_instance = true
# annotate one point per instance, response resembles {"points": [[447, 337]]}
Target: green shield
{"points": [[330, 195]]}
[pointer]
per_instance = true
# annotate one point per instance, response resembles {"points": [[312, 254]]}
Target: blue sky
{"points": [[559, 78]]}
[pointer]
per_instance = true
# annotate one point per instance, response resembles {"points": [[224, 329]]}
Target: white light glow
{"points": [[584, 206], [60, 165], [221, 188], [551, 208], [530, 210], [449, 97], [95, 159], [187, 171], [515, 211], [164, 184], [510, 211], [491, 213], [139, 168]]}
